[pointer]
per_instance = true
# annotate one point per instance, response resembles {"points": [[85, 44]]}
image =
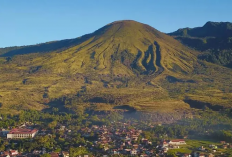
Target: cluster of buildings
{"points": [[119, 140], [9, 153]]}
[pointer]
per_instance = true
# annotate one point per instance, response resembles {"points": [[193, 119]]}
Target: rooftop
{"points": [[22, 131], [178, 140]]}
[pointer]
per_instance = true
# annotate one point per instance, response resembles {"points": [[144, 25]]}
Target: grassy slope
{"points": [[125, 60]]}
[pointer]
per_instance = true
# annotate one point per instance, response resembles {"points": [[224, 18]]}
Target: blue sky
{"points": [[24, 22]]}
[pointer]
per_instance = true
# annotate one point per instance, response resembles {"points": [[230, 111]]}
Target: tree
{"points": [[12, 145], [77, 151], [45, 155], [172, 154], [2, 147], [52, 125], [54, 109], [20, 148], [79, 109]]}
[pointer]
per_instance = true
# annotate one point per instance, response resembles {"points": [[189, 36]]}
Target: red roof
{"points": [[178, 140], [53, 154], [22, 131]]}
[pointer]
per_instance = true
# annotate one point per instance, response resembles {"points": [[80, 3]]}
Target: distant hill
{"points": [[214, 39], [42, 48], [122, 63]]}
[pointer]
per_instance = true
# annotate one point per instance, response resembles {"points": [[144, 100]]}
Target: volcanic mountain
{"points": [[123, 47], [122, 63]]}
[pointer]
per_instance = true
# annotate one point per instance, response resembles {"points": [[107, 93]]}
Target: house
{"points": [[105, 148], [127, 151], [135, 146], [135, 137], [164, 144], [6, 154], [165, 149], [22, 133], [115, 152], [62, 128], [213, 146], [14, 152], [36, 152], [224, 146], [210, 155], [201, 155], [65, 154], [187, 155], [177, 142], [53, 154], [201, 148], [133, 152], [145, 141], [223, 142]]}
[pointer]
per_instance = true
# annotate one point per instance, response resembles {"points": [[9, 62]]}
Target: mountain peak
{"points": [[210, 29], [125, 22], [128, 31], [131, 25], [218, 24], [212, 24]]}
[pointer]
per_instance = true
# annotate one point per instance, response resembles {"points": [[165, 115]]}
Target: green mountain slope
{"points": [[214, 39], [123, 63]]}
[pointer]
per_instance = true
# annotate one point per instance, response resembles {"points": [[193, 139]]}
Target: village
{"points": [[118, 139]]}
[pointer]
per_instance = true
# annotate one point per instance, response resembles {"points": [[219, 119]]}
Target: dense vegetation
{"points": [[214, 39]]}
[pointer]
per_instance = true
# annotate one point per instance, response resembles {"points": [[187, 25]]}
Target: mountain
{"points": [[214, 39], [122, 63]]}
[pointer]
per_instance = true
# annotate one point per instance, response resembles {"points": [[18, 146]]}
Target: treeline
{"points": [[221, 57]]}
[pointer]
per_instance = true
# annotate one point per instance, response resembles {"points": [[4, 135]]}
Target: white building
{"points": [[65, 154], [22, 133], [177, 142], [133, 152]]}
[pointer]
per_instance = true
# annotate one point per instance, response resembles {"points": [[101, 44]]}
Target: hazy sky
{"points": [[24, 22]]}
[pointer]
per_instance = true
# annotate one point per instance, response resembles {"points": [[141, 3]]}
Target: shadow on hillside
{"points": [[56, 104], [202, 105], [127, 108]]}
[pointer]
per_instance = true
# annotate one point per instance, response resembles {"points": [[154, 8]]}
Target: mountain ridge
{"points": [[214, 39], [209, 29]]}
